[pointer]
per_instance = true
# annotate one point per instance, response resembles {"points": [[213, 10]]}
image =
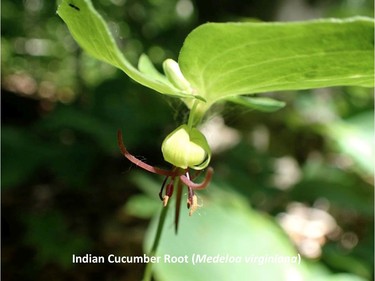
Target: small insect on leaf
{"points": [[74, 7]]}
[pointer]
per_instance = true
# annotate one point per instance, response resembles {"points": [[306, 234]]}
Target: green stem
{"points": [[191, 120], [196, 113], [148, 271]]}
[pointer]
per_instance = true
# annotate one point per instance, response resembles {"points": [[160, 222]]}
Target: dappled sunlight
{"points": [[287, 172], [308, 227]]}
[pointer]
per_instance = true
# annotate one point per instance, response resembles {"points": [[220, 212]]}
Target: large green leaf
{"points": [[228, 59], [92, 34], [227, 226], [224, 60]]}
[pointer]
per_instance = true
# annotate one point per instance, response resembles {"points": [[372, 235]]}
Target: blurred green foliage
{"points": [[67, 190]]}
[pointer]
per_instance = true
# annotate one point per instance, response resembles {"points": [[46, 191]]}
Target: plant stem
{"points": [[191, 115], [196, 114], [148, 271]]}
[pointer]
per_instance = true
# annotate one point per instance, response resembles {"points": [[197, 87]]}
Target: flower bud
{"points": [[175, 76], [186, 147]]}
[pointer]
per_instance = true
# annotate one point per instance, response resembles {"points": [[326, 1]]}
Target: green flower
{"points": [[186, 147]]}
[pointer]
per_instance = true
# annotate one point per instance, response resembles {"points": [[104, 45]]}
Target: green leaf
{"points": [[146, 66], [260, 103], [223, 226], [141, 206], [92, 34], [221, 60], [226, 225]]}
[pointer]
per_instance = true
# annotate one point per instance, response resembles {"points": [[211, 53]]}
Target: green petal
{"points": [[186, 147]]}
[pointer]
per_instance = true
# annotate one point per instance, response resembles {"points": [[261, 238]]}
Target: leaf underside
{"points": [[92, 34], [222, 60], [258, 103], [225, 60]]}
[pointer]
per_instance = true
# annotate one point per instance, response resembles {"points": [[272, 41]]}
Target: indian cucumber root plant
{"points": [[230, 62]]}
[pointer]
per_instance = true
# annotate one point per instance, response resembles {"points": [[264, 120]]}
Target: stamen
{"points": [[168, 192], [190, 196], [193, 204], [162, 188], [165, 200]]}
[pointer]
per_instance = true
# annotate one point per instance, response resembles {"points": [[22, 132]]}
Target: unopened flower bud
{"points": [[175, 76]]}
